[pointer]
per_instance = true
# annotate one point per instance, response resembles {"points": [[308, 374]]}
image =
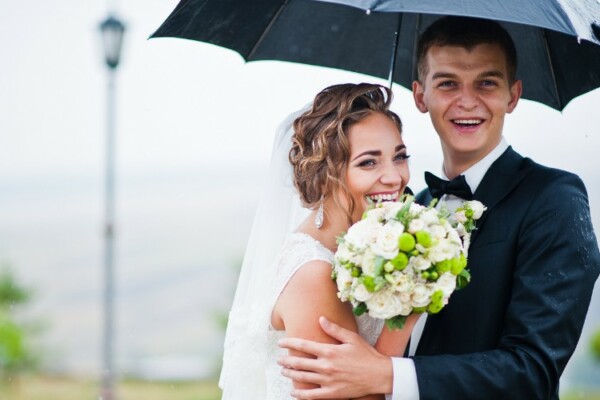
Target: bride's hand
{"points": [[393, 343]]}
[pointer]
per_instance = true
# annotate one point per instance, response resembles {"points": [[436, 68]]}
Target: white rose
{"points": [[362, 233], [421, 296], [461, 230], [361, 293], [460, 216], [444, 250], [386, 244], [343, 252], [344, 282], [446, 283], [396, 225], [416, 225], [437, 232], [391, 209], [405, 297], [405, 308], [368, 263], [384, 304], [415, 208], [344, 278], [377, 214], [477, 207], [430, 217], [454, 237], [402, 283], [419, 263]]}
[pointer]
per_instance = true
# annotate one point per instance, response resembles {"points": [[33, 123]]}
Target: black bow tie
{"points": [[457, 186]]}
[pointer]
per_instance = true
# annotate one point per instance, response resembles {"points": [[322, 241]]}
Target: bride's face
{"points": [[378, 165]]}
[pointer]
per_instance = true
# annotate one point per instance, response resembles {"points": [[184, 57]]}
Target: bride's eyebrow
{"points": [[376, 153]]}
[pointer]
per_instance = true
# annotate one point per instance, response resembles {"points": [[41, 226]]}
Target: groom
{"points": [[533, 259]]}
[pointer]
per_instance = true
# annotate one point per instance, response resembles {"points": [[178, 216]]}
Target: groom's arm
{"points": [[350, 369]]}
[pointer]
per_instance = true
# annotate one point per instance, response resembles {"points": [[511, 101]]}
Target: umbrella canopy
{"points": [[557, 41]]}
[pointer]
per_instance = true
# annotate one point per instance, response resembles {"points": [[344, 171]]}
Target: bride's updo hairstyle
{"points": [[320, 148]]}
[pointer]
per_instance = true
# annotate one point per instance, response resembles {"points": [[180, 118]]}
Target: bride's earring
{"points": [[319, 217]]}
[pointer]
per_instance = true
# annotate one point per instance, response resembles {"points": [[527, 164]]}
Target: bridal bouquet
{"points": [[404, 258]]}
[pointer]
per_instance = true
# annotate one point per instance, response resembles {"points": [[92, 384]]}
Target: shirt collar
{"points": [[474, 175]]}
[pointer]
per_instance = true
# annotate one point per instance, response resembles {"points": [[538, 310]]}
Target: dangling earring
{"points": [[319, 217]]}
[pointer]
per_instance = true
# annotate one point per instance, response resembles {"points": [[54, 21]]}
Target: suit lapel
{"points": [[500, 179]]}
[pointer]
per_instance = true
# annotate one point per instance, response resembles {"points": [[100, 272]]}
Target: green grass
{"points": [[64, 388], [581, 395]]}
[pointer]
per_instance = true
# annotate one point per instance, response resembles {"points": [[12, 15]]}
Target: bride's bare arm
{"points": [[393, 343], [309, 294]]}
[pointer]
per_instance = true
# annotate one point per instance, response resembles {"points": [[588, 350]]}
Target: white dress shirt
{"points": [[406, 386]]}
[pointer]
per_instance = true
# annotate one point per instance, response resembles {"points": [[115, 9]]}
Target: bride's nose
{"points": [[390, 175]]}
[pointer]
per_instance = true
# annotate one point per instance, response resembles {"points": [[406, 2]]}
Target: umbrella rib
{"points": [[549, 55], [267, 29], [414, 67], [395, 51]]}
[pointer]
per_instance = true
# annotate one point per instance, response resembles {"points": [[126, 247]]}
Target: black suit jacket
{"points": [[533, 259]]}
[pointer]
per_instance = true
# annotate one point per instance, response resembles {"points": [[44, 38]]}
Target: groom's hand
{"points": [[350, 369]]}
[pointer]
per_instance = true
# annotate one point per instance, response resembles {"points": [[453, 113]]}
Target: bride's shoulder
{"points": [[298, 250], [305, 245]]}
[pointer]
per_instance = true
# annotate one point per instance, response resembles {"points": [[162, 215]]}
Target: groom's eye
{"points": [[446, 84]]}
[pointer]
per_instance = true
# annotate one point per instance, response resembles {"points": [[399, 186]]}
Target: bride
{"points": [[344, 152]]}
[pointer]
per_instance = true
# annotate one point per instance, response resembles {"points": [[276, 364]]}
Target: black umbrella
{"points": [[558, 42]]}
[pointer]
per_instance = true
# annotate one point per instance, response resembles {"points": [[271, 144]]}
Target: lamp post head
{"points": [[112, 37]]}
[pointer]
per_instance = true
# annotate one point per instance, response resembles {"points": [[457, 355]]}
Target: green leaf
{"points": [[402, 215], [359, 309], [396, 322], [463, 279], [380, 282], [379, 263]]}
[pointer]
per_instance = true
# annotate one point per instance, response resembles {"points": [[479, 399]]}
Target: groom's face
{"points": [[467, 94]]}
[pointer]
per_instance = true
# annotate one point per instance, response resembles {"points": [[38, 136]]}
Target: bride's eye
{"points": [[367, 163], [401, 157]]}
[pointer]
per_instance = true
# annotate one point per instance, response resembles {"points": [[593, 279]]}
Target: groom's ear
{"points": [[418, 96]]}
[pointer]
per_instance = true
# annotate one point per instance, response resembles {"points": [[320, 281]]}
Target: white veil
{"points": [[279, 212]]}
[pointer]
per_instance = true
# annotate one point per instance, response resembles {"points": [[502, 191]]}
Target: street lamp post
{"points": [[112, 37]]}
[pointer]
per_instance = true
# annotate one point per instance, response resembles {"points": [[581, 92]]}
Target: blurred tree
{"points": [[16, 355], [596, 345]]}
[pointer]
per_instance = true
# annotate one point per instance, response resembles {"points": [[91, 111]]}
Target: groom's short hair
{"points": [[466, 32]]}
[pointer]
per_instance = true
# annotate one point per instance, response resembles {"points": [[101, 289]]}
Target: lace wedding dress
{"points": [[298, 250], [250, 370]]}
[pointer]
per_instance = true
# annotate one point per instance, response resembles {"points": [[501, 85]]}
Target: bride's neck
{"points": [[334, 224]]}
